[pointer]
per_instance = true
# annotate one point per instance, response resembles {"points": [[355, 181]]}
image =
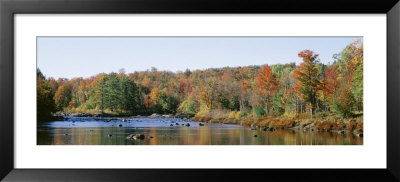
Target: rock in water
{"points": [[154, 115], [254, 135], [187, 124], [201, 124], [171, 125], [136, 137], [120, 125], [109, 135], [130, 136], [140, 136]]}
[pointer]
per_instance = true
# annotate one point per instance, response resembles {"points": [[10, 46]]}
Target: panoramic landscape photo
{"points": [[199, 91]]}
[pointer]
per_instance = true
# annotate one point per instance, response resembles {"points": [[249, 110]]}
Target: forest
{"points": [[230, 94]]}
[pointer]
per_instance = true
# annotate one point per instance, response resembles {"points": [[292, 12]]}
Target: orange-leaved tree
{"points": [[266, 85], [308, 82], [331, 84]]}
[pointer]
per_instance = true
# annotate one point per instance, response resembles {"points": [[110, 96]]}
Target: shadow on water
{"points": [[102, 131]]}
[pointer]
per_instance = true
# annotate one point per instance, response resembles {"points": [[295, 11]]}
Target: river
{"points": [[173, 131]]}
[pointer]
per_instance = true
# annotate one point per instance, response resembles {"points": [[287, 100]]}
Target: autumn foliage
{"points": [[224, 94]]}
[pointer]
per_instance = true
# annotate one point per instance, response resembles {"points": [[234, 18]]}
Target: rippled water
{"points": [[101, 131]]}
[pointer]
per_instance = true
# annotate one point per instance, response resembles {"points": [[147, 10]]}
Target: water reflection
{"points": [[89, 131]]}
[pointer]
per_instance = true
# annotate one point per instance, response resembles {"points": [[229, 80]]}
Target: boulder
{"points": [[136, 137], [176, 123], [154, 115], [201, 124], [140, 136], [130, 136], [120, 125], [171, 125], [187, 124]]}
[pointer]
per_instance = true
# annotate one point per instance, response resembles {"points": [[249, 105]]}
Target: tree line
{"points": [[253, 91]]}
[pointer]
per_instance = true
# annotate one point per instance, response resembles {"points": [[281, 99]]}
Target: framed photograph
{"points": [[115, 91]]}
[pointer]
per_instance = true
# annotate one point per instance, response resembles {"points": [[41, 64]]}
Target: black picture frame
{"points": [[9, 8]]}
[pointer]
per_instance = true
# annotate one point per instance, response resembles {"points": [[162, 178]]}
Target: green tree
{"points": [[168, 103], [100, 92], [129, 94], [112, 95], [188, 106], [44, 97]]}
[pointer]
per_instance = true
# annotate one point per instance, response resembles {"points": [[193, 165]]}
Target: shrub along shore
{"points": [[318, 124]]}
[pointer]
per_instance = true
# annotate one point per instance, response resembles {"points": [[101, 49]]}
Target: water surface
{"points": [[171, 131]]}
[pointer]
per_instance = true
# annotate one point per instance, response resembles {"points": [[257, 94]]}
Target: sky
{"points": [[70, 57]]}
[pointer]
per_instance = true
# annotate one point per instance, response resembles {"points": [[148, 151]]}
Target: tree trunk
{"points": [[266, 107], [301, 107]]}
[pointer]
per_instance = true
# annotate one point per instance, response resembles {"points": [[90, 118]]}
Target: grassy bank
{"points": [[322, 122]]}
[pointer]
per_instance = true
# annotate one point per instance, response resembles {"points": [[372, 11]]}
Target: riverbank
{"points": [[330, 123]]}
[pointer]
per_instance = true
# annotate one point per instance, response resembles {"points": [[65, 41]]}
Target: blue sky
{"points": [[70, 57]]}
